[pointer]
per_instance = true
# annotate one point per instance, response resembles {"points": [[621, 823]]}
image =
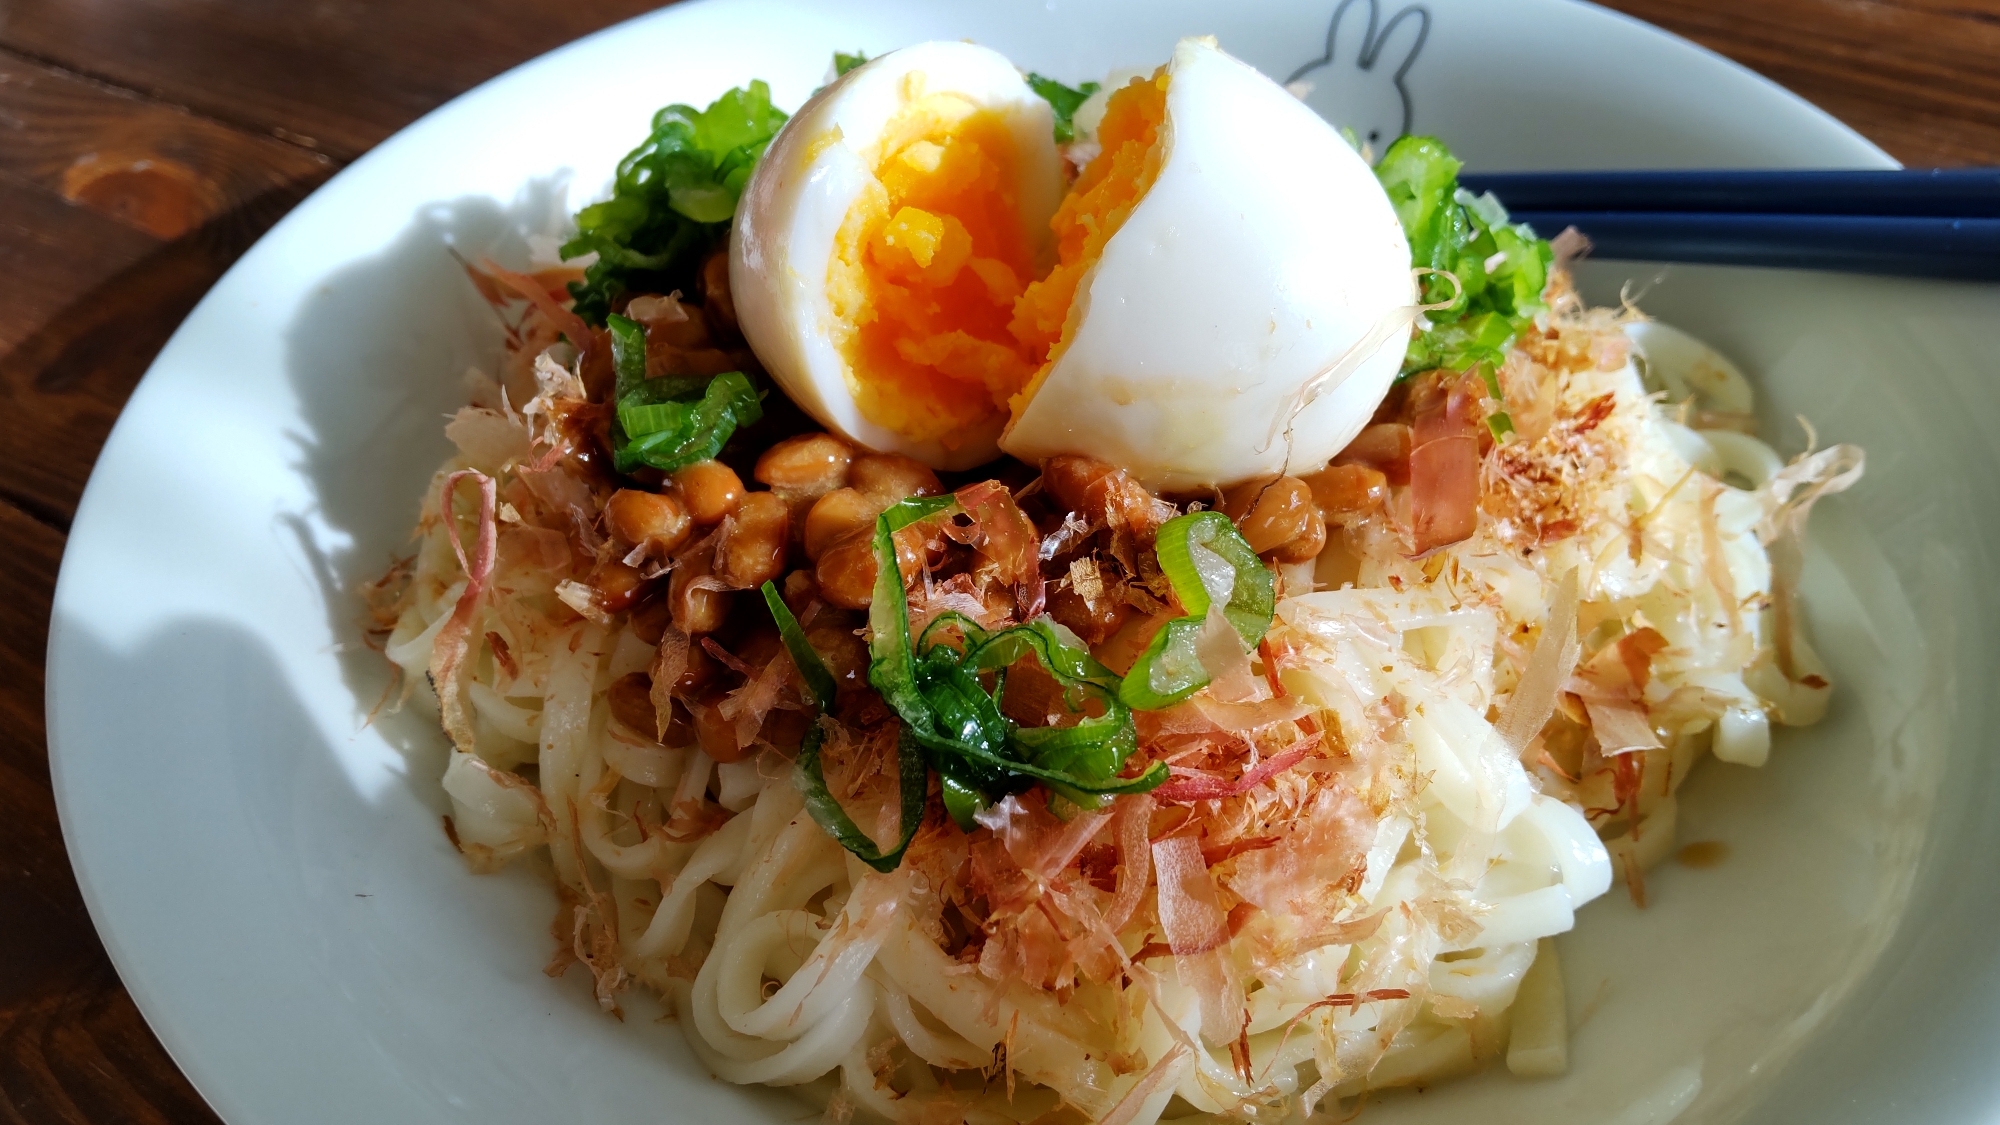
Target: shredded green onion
{"points": [[819, 681], [937, 683]]}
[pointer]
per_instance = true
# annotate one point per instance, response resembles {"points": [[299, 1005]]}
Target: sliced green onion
{"points": [[1095, 747], [676, 389], [672, 421], [1498, 269], [820, 801], [671, 200], [1169, 670], [834, 821], [971, 633], [892, 665], [819, 681], [1064, 100], [628, 352], [1065, 661], [660, 426], [1251, 599], [644, 419], [935, 688], [961, 711], [1093, 750]]}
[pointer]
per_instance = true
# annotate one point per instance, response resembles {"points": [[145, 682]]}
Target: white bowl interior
{"points": [[268, 869]]}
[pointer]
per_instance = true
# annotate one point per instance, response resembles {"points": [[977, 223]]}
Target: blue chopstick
{"points": [[1964, 249], [1955, 193]]}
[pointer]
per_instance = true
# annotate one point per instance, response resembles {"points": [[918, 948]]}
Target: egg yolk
{"points": [[932, 282], [926, 269], [1097, 205]]}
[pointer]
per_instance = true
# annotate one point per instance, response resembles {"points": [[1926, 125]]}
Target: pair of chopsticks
{"points": [[1939, 223]]}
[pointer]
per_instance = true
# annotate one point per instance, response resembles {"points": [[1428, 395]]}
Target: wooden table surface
{"points": [[144, 144]]}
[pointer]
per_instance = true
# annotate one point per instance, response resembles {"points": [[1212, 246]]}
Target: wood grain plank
{"points": [[53, 258], [337, 75], [152, 167], [116, 214], [88, 302], [95, 187], [72, 1046], [1921, 78]]}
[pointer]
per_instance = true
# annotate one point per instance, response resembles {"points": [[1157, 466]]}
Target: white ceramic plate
{"points": [[269, 873]]}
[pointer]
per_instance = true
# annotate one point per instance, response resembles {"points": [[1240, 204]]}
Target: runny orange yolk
{"points": [[1111, 185], [926, 268], [936, 315]]}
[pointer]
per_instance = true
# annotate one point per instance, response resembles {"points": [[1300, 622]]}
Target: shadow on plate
{"points": [[378, 357], [274, 893]]}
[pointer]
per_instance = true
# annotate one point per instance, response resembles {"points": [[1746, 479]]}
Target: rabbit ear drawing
{"points": [[1398, 45], [1360, 35], [1380, 47]]}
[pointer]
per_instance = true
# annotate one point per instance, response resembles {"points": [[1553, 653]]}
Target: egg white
{"points": [[1252, 311]]}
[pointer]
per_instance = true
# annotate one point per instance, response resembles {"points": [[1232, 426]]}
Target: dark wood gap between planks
{"points": [[114, 88], [344, 73], [35, 509]]}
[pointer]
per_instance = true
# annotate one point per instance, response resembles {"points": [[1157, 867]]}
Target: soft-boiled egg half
{"points": [[1223, 293], [883, 241]]}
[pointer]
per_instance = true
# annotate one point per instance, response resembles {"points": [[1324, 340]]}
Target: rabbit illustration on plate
{"points": [[1358, 81]]}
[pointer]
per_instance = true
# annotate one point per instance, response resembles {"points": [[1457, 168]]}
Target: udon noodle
{"points": [[1374, 823]]}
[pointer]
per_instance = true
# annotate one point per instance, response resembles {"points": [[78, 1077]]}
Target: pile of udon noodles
{"points": [[1372, 823]]}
